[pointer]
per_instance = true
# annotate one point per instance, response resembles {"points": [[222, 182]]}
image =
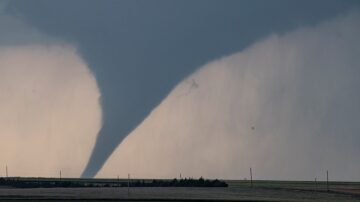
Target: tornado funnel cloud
{"points": [[100, 153]]}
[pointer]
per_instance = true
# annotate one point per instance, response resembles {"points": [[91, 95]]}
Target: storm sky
{"points": [[138, 51], [287, 106]]}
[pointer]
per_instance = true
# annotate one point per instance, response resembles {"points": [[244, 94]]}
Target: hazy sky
{"points": [[140, 50]]}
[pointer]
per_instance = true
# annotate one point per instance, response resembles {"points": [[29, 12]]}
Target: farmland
{"points": [[238, 190]]}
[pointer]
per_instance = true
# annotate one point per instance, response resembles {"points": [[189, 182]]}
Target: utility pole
{"points": [[7, 172], [327, 180], [118, 179], [60, 175], [128, 184], [315, 184], [180, 176], [251, 182]]}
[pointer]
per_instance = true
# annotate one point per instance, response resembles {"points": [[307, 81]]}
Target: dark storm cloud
{"points": [[139, 50]]}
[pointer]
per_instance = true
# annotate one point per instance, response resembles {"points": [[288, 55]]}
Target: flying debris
{"points": [[192, 86]]}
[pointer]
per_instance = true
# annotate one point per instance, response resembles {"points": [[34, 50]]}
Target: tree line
{"points": [[49, 183]]}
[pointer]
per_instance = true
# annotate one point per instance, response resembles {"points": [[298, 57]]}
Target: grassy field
{"points": [[238, 190]]}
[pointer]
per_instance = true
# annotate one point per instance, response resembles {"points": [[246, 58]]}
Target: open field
{"points": [[238, 190], [319, 186]]}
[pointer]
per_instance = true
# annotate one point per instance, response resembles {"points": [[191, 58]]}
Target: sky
{"points": [[139, 51]]}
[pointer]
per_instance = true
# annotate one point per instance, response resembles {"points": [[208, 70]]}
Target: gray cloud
{"points": [[139, 50], [3, 6], [288, 106]]}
